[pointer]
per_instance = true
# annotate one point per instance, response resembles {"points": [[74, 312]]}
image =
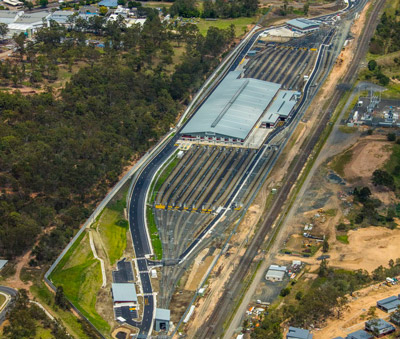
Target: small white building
{"points": [[276, 273]]}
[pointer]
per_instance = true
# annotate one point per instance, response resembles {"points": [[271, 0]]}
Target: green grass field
{"points": [[240, 24], [43, 333], [112, 227], [166, 171], [155, 238], [71, 323], [343, 238], [2, 300], [339, 162], [80, 276]]}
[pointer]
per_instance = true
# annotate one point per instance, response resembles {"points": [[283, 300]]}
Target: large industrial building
{"points": [[236, 107], [303, 25]]}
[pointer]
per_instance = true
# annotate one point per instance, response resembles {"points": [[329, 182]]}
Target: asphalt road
{"points": [[10, 291]]}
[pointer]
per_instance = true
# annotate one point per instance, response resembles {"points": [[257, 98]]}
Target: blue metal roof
{"points": [[298, 333], [360, 334], [379, 324], [386, 300], [109, 3]]}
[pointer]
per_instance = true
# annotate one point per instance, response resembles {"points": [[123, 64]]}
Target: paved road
{"points": [[10, 291]]}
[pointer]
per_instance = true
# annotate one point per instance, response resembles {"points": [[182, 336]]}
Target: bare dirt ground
{"points": [[353, 319], [224, 267], [368, 155], [14, 281], [198, 270]]}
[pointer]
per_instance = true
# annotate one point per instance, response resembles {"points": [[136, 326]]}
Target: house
{"points": [[163, 316], [360, 334], [3, 263], [124, 294], [89, 10], [276, 273], [298, 333], [379, 327], [395, 318], [389, 305]]}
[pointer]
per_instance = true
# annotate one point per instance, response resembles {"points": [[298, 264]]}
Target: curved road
{"points": [[12, 293]]}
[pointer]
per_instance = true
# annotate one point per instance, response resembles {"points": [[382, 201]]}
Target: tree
{"points": [[306, 8], [323, 269], [391, 136], [29, 5], [382, 178], [325, 246], [284, 292], [60, 298], [103, 10], [3, 30], [299, 295], [372, 65], [43, 3]]}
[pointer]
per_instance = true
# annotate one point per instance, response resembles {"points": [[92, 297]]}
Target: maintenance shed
{"points": [[124, 294], [395, 318], [379, 327], [298, 333], [360, 334], [276, 273], [303, 25], [162, 319], [231, 111], [389, 304]]}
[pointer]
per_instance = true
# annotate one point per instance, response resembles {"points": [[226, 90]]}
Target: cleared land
{"points": [[357, 312]]}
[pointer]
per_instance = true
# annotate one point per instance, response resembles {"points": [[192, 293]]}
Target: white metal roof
{"points": [[283, 103], [3, 263], [163, 314], [233, 108], [303, 23], [124, 292], [275, 274]]}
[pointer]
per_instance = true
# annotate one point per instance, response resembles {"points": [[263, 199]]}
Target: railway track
{"points": [[213, 326]]}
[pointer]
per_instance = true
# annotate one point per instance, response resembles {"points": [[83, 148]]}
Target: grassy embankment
{"points": [[155, 186], [339, 163], [2, 300], [79, 272], [344, 238]]}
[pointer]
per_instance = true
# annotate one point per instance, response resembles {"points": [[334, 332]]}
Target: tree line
{"points": [[214, 9], [60, 152]]}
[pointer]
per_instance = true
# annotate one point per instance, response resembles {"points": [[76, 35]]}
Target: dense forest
{"points": [[214, 9], [61, 151], [387, 36], [26, 318]]}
